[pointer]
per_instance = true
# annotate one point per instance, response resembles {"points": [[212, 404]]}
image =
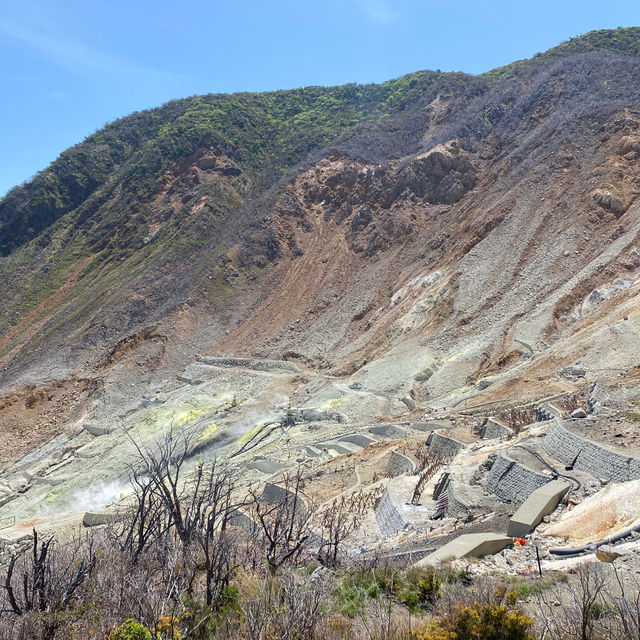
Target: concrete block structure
{"points": [[540, 503], [97, 518], [474, 545], [513, 481], [494, 429], [394, 511], [359, 439], [387, 431], [399, 464]]}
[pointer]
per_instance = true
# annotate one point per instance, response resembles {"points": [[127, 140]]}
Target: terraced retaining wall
{"points": [[512, 481], [603, 463], [387, 431], [387, 516], [316, 415], [275, 494], [275, 366], [399, 464], [359, 439], [441, 444], [493, 429]]}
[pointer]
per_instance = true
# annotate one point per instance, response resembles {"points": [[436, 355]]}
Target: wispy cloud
{"points": [[379, 11], [69, 52]]}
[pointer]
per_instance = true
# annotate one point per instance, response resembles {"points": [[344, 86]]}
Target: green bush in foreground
{"points": [[131, 630], [478, 622]]}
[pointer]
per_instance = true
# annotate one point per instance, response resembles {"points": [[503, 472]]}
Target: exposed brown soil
{"points": [[32, 416]]}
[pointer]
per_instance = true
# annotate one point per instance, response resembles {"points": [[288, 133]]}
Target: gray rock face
{"points": [[579, 413], [442, 174]]}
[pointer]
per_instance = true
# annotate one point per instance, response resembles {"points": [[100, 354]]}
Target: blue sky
{"points": [[69, 66]]}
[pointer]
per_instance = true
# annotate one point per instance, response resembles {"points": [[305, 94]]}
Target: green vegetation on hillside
{"points": [[625, 41], [261, 132]]}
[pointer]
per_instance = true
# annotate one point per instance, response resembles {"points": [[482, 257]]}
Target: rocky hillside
{"points": [[454, 239]]}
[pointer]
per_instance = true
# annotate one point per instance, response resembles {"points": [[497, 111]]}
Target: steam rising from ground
{"points": [[99, 495], [260, 413], [104, 493]]}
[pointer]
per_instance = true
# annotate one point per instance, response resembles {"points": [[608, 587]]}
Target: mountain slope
{"points": [[468, 219]]}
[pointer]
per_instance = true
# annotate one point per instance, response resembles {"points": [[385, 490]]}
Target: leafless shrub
{"points": [[567, 404], [48, 576], [288, 607], [381, 619], [576, 609], [516, 418], [340, 518], [283, 526]]}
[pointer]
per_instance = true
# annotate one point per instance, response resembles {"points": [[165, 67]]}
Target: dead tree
{"points": [[46, 578], [578, 618], [518, 417], [194, 508], [289, 610], [142, 524], [339, 519], [210, 512], [283, 525]]}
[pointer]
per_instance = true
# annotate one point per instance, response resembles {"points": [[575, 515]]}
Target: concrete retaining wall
{"points": [[455, 507], [590, 456], [442, 444], [241, 520], [512, 481], [388, 431], [359, 439], [387, 516], [493, 429], [97, 518], [426, 427], [265, 466], [315, 415], [97, 430], [276, 494], [340, 448], [399, 464]]}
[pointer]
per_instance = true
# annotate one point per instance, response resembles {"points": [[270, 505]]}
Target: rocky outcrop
{"points": [[441, 175], [609, 201]]}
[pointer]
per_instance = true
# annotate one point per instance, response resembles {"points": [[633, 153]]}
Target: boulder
{"points": [[609, 201]]}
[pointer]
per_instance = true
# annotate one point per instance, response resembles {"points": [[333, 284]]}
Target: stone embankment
{"points": [[269, 366], [600, 461], [512, 481]]}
